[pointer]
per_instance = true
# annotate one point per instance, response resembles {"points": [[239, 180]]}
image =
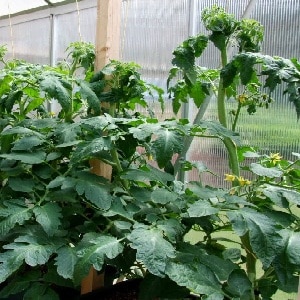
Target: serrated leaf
{"points": [[263, 171], [93, 251], [18, 184], [33, 158], [12, 99], [58, 89], [33, 252], [65, 262], [279, 194], [91, 148], [239, 284], [144, 131], [15, 213], [94, 188], [152, 249], [166, 145], [201, 208], [196, 277], [58, 181], [27, 143], [20, 130], [266, 242], [152, 174], [68, 133], [172, 229], [9, 263], [92, 99], [293, 248], [163, 196], [48, 216]]}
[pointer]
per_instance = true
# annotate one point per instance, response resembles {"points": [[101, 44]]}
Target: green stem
{"points": [[236, 117], [118, 167], [229, 144], [221, 92], [250, 263], [233, 156]]}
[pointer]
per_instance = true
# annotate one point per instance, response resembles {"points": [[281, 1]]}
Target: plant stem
{"points": [[229, 144], [189, 139], [236, 116], [118, 167], [250, 263]]}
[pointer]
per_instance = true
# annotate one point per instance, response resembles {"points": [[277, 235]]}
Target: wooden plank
{"points": [[107, 32], [107, 48]]}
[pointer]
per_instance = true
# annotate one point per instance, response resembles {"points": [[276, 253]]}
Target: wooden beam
{"points": [[107, 32], [107, 48]]}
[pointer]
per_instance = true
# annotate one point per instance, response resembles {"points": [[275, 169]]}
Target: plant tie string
{"points": [[11, 32], [123, 38], [78, 17]]}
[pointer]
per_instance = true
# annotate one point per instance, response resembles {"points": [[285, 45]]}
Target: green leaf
{"points": [[32, 249], [286, 274], [198, 93], [172, 229], [201, 208], [92, 251], [293, 248], [9, 263], [239, 284], [66, 260], [18, 184], [92, 99], [20, 130], [15, 212], [94, 188], [185, 55], [264, 237], [152, 249], [27, 143], [48, 216], [263, 171], [196, 277], [163, 196], [152, 174], [58, 89], [33, 158], [13, 98], [166, 145], [40, 291], [90, 149]]}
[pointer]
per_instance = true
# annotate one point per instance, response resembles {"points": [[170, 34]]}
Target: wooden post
{"points": [[107, 48]]}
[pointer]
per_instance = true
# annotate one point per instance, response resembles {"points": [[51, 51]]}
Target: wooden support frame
{"points": [[107, 48]]}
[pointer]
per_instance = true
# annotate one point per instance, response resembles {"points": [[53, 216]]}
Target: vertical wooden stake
{"points": [[107, 48]]}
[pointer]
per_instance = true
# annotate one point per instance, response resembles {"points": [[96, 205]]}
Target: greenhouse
{"points": [[150, 149]]}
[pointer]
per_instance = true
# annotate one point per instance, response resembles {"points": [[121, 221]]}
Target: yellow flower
{"points": [[229, 177], [275, 158], [242, 181], [242, 98]]}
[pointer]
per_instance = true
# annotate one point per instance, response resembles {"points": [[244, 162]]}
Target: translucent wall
{"points": [[150, 30]]}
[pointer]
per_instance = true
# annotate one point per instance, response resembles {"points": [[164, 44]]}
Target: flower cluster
{"points": [[240, 179]]}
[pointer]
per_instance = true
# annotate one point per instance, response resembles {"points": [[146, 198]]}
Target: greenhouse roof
{"points": [[12, 7]]}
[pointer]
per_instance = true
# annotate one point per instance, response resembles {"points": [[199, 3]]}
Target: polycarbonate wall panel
{"points": [[28, 40], [150, 31], [71, 27]]}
